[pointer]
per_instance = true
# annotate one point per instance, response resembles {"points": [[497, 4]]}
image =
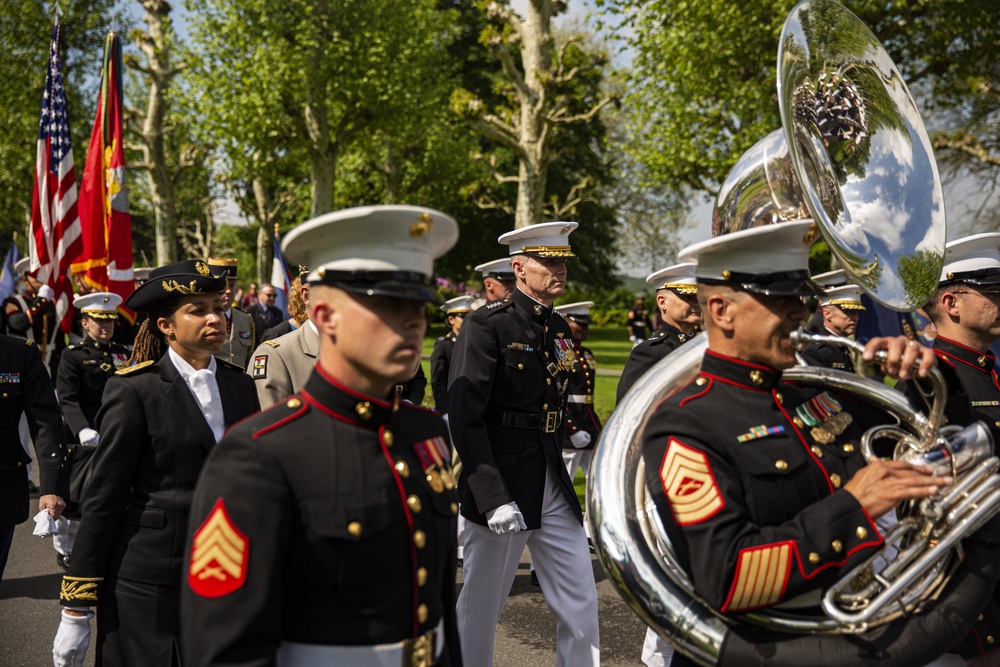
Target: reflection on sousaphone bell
{"points": [[853, 155]]}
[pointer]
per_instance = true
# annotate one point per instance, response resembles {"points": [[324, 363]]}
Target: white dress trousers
{"points": [[562, 562]]}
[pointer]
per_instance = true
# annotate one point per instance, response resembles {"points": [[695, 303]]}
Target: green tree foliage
{"points": [[25, 32], [704, 77]]}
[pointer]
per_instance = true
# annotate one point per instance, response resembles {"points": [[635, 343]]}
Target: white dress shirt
{"points": [[205, 389]]}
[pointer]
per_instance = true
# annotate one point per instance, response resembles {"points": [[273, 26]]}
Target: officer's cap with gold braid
{"points": [[227, 265], [546, 239], [460, 304], [771, 259], [678, 278], [974, 260], [383, 250], [191, 277], [498, 268], [98, 305], [847, 297], [579, 312]]}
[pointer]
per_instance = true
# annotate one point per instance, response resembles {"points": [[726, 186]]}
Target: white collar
{"points": [[184, 368]]}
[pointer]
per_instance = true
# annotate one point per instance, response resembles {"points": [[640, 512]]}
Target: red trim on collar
{"points": [[700, 394], [347, 390], [710, 376], [281, 422], [336, 415], [742, 362], [941, 353]]}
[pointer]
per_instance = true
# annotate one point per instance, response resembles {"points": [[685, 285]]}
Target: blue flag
{"points": [[8, 279], [281, 279]]}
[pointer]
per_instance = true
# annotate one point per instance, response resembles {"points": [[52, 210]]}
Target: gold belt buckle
{"points": [[551, 422], [419, 652]]}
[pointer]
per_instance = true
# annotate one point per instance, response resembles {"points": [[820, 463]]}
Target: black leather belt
{"points": [[543, 421]]}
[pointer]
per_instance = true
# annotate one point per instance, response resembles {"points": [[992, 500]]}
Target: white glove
{"points": [[46, 526], [88, 437], [69, 648], [46, 292], [634, 339], [580, 439], [506, 519]]}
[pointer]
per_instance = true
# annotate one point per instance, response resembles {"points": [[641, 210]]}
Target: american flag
{"points": [[55, 241]]}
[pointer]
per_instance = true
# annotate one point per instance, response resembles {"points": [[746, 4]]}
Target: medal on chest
{"points": [[824, 414], [435, 459], [564, 354]]}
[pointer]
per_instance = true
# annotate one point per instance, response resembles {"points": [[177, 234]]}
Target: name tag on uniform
{"points": [[10, 378]]}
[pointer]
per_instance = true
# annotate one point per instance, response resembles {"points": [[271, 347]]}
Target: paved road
{"points": [[525, 636]]}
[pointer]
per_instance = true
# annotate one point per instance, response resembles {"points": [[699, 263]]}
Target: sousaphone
{"points": [[854, 157]]}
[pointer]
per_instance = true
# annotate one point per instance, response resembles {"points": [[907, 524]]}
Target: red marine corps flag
{"points": [[106, 259], [55, 227]]}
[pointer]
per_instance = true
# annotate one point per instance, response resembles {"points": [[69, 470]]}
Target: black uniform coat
{"points": [[154, 441], [973, 394], [25, 388], [83, 372], [444, 347], [752, 501], [498, 377], [638, 322], [828, 355], [644, 355], [346, 531], [580, 415]]}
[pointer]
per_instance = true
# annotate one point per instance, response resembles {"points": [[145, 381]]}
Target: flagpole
{"points": [[57, 10]]}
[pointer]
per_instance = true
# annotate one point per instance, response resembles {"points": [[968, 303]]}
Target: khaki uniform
{"points": [[280, 367], [240, 341]]}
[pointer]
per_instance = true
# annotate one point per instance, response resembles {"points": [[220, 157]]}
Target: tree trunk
{"points": [[156, 46], [536, 57], [265, 255]]}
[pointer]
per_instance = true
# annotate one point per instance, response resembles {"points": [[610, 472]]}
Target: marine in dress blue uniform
{"points": [[840, 308], [455, 311], [965, 309], [583, 426], [680, 317], [760, 483], [84, 369], [506, 397], [323, 529], [25, 389]]}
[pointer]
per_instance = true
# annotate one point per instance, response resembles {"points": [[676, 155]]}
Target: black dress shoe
{"points": [[534, 579], [62, 561]]}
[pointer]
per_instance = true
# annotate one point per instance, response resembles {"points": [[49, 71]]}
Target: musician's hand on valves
{"points": [[881, 485], [506, 519], [902, 356]]}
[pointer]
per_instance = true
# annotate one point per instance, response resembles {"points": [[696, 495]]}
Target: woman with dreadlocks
{"points": [[159, 419]]}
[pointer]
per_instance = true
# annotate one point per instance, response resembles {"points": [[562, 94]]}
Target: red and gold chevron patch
{"points": [[689, 484], [219, 552], [761, 576]]}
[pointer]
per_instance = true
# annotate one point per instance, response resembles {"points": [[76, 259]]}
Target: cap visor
{"points": [[396, 290], [803, 287]]}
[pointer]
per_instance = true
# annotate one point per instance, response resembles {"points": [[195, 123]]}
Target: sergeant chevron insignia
{"points": [[219, 552], [689, 484]]}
